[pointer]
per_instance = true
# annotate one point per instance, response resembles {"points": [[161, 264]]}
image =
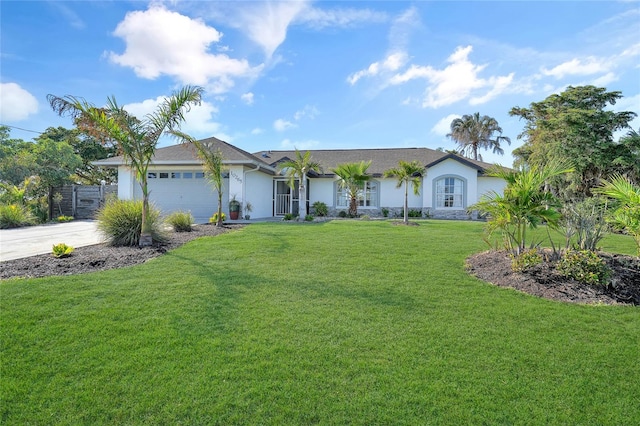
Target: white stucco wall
{"points": [[321, 189], [258, 190], [126, 181], [487, 184], [451, 167], [393, 197]]}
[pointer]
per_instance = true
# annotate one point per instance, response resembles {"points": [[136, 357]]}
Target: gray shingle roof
{"points": [[381, 158], [184, 154]]}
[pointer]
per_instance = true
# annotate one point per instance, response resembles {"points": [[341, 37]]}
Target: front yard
{"points": [[345, 322]]}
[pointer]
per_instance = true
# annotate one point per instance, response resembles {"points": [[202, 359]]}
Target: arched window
{"points": [[449, 193]]}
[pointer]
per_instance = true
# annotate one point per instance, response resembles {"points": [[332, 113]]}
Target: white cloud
{"points": [[309, 111], [443, 127], [266, 23], [457, 81], [161, 42], [605, 80], [498, 85], [340, 17], [16, 103], [198, 120], [72, 17], [588, 66], [257, 131], [247, 98], [300, 145], [393, 62], [281, 125]]}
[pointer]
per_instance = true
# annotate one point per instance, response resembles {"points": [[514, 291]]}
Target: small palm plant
{"points": [[351, 178], [298, 169], [524, 205], [626, 214], [407, 173]]}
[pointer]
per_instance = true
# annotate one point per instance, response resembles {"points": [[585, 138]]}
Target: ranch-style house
{"points": [[177, 181]]}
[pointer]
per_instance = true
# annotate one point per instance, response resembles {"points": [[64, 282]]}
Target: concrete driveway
{"points": [[31, 240]]}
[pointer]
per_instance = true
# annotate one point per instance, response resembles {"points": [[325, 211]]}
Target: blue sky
{"points": [[316, 75]]}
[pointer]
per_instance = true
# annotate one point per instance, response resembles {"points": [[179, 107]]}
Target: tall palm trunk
{"points": [[302, 197], [146, 239], [406, 202]]}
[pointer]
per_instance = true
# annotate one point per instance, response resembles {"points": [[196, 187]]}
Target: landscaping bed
{"points": [[545, 281], [101, 257]]}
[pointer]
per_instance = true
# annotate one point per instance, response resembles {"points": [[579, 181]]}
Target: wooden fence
{"points": [[79, 201]]}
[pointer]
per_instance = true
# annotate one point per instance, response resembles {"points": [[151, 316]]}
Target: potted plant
{"points": [[247, 209], [234, 208]]}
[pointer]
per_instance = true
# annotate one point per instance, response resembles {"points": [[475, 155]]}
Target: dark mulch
{"points": [[101, 257], [544, 281]]}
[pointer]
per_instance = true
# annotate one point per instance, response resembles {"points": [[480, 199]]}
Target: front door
{"points": [[285, 200]]}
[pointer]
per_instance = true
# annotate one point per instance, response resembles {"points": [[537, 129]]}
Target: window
{"points": [[449, 193], [164, 175], [152, 175], [187, 175], [199, 175], [175, 175], [367, 196]]}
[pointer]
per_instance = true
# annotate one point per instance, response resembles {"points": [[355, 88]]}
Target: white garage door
{"points": [[184, 190]]}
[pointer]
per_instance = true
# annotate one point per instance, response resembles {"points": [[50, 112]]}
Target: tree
{"points": [[626, 214], [351, 178], [625, 157], [213, 165], [298, 169], [524, 203], [136, 139], [472, 132], [89, 149], [17, 161], [576, 126], [407, 173]]}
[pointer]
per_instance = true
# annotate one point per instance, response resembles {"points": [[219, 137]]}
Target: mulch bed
{"points": [[544, 281], [101, 257], [492, 266]]}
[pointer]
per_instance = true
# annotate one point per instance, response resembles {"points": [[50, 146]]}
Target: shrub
{"points": [[120, 221], [320, 208], [308, 218], [584, 266], [584, 221], [214, 218], [415, 213], [62, 250], [289, 216], [385, 212], [64, 218], [342, 214], [14, 216], [180, 221], [525, 260]]}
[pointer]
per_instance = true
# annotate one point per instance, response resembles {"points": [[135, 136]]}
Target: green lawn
{"points": [[345, 322]]}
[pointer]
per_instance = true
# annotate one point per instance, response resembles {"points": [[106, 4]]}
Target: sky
{"points": [[316, 75]]}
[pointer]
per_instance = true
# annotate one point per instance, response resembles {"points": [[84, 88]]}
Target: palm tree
{"points": [[212, 160], [136, 139], [407, 173], [524, 204], [351, 178], [626, 215], [472, 132], [298, 169]]}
